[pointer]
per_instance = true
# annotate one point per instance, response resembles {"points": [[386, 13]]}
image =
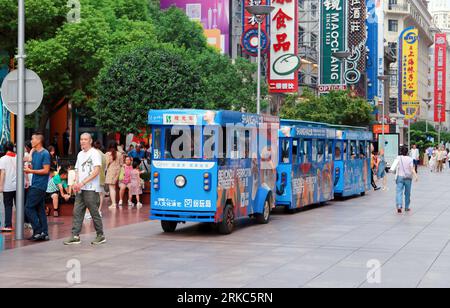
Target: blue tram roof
{"points": [[206, 117]]}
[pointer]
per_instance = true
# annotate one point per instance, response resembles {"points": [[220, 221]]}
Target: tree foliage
{"points": [[338, 107]]}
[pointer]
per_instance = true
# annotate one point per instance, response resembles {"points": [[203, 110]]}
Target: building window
{"points": [[393, 25], [301, 36], [313, 41], [301, 4], [393, 105]]}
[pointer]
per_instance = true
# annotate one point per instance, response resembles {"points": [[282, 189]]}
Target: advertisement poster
{"points": [[440, 76], [355, 65], [408, 73], [332, 39], [249, 39], [284, 61], [214, 15]]}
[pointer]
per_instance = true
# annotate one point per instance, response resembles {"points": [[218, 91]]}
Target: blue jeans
{"points": [[403, 184], [35, 210]]}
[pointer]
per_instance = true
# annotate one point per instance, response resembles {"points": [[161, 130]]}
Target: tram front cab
{"points": [[204, 172]]}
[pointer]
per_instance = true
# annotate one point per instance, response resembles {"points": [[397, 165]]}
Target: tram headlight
{"points": [[180, 181]]}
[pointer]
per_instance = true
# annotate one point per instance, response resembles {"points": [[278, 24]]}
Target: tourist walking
{"points": [[114, 161], [8, 175], [403, 167], [381, 169], [35, 200], [415, 155], [88, 167]]}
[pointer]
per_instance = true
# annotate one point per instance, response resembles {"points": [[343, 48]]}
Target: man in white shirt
{"points": [[8, 174], [415, 155], [87, 188]]}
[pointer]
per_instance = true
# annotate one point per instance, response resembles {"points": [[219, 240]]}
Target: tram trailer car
{"points": [[208, 187], [306, 166]]}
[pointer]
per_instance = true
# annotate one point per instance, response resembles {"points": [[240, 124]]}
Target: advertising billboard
{"points": [[214, 15], [284, 61], [408, 72], [332, 39], [249, 39], [440, 76]]}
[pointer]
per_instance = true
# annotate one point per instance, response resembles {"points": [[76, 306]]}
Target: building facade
{"points": [[399, 15]]}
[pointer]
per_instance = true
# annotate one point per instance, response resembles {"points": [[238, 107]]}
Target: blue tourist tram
{"points": [[305, 168], [352, 161], [212, 166]]}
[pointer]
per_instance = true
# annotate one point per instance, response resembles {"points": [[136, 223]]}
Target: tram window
{"points": [[294, 151], [368, 145], [285, 151], [157, 143], [307, 152], [329, 150], [235, 145], [301, 151], [345, 150], [338, 151], [320, 150], [209, 146], [362, 151], [353, 149], [182, 144], [247, 144], [314, 150]]}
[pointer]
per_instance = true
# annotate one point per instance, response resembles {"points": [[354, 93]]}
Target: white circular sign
{"points": [[34, 92]]}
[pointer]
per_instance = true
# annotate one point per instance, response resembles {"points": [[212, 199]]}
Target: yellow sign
{"points": [[409, 44]]}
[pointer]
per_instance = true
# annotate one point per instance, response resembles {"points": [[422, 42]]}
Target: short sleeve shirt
{"points": [[86, 163], [39, 160]]}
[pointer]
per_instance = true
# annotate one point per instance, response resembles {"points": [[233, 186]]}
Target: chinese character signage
{"points": [[440, 75], [284, 61], [355, 65], [375, 49], [213, 15], [332, 39], [408, 72], [249, 39]]}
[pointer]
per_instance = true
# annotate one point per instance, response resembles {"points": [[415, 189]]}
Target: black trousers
{"points": [[9, 198]]}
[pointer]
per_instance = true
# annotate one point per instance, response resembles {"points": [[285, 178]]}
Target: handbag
{"points": [[122, 174]]}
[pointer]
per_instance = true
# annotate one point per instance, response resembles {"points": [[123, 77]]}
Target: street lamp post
{"points": [[259, 12], [427, 101], [440, 123], [342, 56], [383, 79]]}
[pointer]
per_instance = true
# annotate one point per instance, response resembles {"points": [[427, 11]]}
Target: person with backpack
{"points": [[403, 166]]}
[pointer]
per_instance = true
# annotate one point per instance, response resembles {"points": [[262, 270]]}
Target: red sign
{"points": [[249, 38], [283, 58], [378, 129], [440, 85]]}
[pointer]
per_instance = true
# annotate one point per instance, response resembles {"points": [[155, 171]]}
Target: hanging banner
{"points": [[213, 15], [283, 60], [332, 39], [440, 76], [355, 65], [5, 115], [249, 38], [408, 72]]}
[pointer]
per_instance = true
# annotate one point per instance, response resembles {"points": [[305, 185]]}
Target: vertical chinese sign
{"points": [[408, 73], [249, 39], [213, 15], [440, 75], [332, 39], [355, 65], [284, 61], [5, 115]]}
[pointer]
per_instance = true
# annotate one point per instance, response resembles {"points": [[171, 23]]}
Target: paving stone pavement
{"points": [[328, 246]]}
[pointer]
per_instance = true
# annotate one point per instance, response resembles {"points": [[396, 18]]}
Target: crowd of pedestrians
{"points": [[87, 181]]}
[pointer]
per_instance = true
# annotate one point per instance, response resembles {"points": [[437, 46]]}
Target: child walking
{"points": [[136, 188]]}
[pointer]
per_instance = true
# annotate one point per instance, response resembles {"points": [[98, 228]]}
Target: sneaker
{"points": [[74, 240], [120, 202], [44, 237], [36, 237], [130, 204], [399, 211], [100, 239], [377, 188], [87, 216], [139, 205]]}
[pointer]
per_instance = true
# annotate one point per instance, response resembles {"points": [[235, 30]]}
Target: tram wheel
{"points": [[169, 226], [265, 216], [226, 226]]}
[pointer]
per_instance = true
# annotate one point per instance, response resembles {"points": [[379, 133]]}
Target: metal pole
{"points": [[409, 134], [258, 90], [20, 193]]}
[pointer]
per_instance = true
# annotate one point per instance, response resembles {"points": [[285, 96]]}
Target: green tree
{"points": [[146, 78], [335, 108]]}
